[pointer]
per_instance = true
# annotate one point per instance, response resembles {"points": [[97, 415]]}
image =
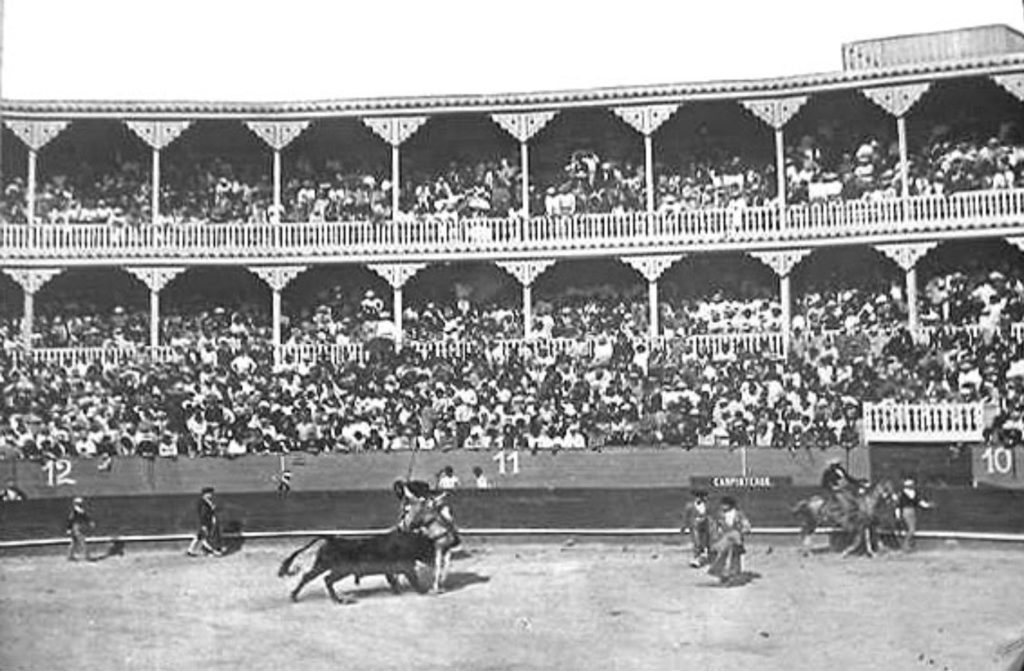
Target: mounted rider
{"points": [[840, 486], [419, 491]]}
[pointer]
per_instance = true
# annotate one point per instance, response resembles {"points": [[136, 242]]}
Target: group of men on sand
{"points": [[719, 539]]}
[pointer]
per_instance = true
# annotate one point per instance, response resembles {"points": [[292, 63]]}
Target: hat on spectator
{"points": [[207, 490]]}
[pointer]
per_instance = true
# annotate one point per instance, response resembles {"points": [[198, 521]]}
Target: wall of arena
{"points": [[613, 489]]}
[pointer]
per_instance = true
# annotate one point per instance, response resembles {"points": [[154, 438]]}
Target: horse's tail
{"points": [[286, 566]]}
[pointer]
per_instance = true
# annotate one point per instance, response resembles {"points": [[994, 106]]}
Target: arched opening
{"points": [[14, 163], [91, 307], [335, 305], [461, 164], [94, 171], [968, 282], [718, 293], [586, 161], [713, 154], [210, 304], [584, 298], [216, 171], [336, 170], [11, 309], [851, 288], [963, 136], [841, 145], [468, 301]]}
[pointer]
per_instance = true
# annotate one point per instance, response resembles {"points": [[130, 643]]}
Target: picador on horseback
{"points": [[428, 512], [841, 488]]}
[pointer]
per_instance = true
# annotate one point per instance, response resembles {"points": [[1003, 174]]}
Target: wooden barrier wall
{"points": [[613, 468], [976, 510]]}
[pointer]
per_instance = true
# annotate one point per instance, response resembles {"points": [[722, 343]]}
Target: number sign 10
{"points": [[998, 460]]}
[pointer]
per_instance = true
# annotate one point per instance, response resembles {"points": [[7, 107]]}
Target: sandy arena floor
{"points": [[583, 606]]}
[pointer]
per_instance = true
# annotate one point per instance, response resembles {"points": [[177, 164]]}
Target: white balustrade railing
{"points": [[717, 345], [452, 236], [923, 422], [922, 334], [714, 345], [106, 356]]}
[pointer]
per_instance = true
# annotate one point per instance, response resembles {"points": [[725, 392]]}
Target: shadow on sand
{"points": [[744, 578], [232, 540], [115, 549], [456, 580]]}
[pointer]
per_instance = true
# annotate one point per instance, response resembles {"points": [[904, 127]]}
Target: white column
{"points": [[155, 196], [780, 166], [786, 299], [396, 300], [30, 194], [28, 318], [906, 256], [154, 318], [276, 309], [649, 171], [901, 132], [277, 185], [652, 300], [527, 311], [782, 263], [30, 281], [155, 279], [524, 182], [396, 174], [912, 317], [396, 275], [276, 278]]}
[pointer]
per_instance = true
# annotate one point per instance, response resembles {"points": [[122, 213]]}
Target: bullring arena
{"points": [[607, 605], [572, 311]]}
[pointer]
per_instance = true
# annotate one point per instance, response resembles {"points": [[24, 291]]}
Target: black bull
{"points": [[392, 554]]}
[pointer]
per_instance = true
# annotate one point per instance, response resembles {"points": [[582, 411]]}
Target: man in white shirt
{"points": [[480, 479], [447, 480]]}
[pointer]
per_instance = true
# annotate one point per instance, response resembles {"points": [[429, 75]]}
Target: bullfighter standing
{"points": [[909, 502], [697, 524], [731, 526], [79, 521], [208, 536]]}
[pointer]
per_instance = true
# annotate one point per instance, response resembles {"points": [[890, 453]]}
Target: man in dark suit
{"points": [[208, 536], [908, 503], [79, 522], [696, 523]]}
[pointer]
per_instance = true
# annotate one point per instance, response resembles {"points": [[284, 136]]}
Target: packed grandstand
{"points": [[603, 357]]}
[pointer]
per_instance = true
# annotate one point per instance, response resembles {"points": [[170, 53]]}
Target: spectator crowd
{"points": [[239, 189], [225, 394]]}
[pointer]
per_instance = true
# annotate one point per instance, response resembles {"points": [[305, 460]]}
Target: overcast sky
{"points": [[310, 49]]}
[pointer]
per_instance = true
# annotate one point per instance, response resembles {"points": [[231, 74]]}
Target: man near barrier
{"points": [[909, 501], [79, 522], [696, 523], [207, 537], [731, 527]]}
